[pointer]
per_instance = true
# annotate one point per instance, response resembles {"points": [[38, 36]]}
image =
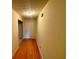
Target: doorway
{"points": [[20, 31]]}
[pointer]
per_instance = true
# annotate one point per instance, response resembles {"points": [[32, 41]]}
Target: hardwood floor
{"points": [[28, 50]]}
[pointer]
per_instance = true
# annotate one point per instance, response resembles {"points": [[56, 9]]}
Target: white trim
{"points": [[39, 49]]}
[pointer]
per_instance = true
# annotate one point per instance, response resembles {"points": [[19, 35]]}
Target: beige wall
{"points": [[15, 42], [51, 33], [30, 25]]}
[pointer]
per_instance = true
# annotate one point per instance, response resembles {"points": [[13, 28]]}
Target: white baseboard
{"points": [[39, 49]]}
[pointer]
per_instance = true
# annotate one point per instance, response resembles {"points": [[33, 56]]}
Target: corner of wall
{"points": [[15, 43]]}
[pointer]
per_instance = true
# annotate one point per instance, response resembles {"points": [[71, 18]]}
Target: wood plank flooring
{"points": [[28, 50]]}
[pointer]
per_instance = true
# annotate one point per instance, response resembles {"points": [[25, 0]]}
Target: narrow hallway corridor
{"points": [[28, 50], [45, 22]]}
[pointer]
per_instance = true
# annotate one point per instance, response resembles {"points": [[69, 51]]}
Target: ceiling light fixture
{"points": [[29, 13]]}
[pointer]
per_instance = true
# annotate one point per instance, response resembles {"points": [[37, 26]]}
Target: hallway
{"points": [[28, 50], [45, 22]]}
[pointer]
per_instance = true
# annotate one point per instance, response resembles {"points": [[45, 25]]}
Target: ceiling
{"points": [[23, 6]]}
